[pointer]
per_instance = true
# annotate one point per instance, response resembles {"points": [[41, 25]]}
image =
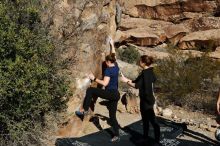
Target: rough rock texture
{"points": [[167, 112], [199, 39], [188, 24], [203, 23], [82, 26], [131, 23], [143, 32], [171, 10], [80, 29], [175, 32], [129, 70]]}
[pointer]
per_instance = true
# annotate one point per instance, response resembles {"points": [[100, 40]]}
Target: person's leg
{"points": [[97, 92], [112, 116], [155, 124], [145, 121], [92, 105]]}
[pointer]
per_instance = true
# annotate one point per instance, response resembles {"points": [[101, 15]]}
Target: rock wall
{"points": [[188, 24], [79, 29]]}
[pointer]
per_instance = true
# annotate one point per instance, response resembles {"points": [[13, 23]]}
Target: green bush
{"points": [[129, 54], [182, 78], [29, 84]]}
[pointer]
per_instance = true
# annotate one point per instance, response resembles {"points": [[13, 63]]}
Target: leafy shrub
{"points": [[182, 78], [29, 84], [129, 54]]}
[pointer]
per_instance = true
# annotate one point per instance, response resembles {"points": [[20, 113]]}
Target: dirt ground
{"points": [[195, 135]]}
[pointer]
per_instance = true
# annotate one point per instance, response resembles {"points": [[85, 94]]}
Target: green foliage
{"points": [[129, 54], [29, 84], [182, 75]]}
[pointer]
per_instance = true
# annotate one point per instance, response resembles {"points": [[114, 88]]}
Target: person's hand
{"points": [[91, 76], [111, 41], [123, 78]]}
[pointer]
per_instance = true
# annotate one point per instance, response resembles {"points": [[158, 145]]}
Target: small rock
{"points": [[191, 122], [167, 113], [187, 122], [203, 126], [159, 109], [208, 119], [183, 120], [211, 129], [181, 112], [175, 117]]}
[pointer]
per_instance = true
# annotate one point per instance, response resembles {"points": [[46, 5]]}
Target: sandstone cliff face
{"points": [[80, 29], [188, 24], [168, 10]]}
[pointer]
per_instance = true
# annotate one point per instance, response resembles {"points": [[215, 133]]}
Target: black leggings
{"points": [[148, 116], [112, 95]]}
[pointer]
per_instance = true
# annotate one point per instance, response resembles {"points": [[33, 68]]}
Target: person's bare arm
{"points": [[112, 47], [128, 81], [103, 82]]}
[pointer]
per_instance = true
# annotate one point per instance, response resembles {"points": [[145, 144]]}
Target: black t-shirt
{"points": [[144, 82]]}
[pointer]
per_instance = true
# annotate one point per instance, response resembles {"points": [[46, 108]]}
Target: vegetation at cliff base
{"points": [[29, 85], [129, 54], [189, 81]]}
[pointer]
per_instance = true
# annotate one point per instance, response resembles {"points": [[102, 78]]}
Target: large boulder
{"points": [[142, 32], [203, 23], [201, 39], [131, 23], [121, 36], [144, 37], [79, 29], [175, 32], [166, 10], [215, 54], [129, 70], [158, 53]]}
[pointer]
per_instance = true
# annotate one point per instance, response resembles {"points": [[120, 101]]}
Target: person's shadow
{"points": [[170, 130], [97, 117]]}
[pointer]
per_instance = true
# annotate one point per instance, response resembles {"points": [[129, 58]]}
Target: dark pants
{"points": [[148, 116], [112, 95]]}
